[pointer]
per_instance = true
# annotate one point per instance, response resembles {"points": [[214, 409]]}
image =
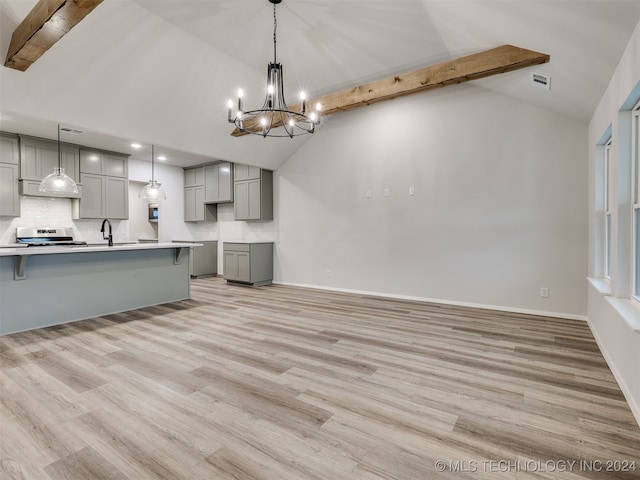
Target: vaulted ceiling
{"points": [[160, 71]]}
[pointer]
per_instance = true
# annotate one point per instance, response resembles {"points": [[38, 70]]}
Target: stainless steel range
{"points": [[46, 237]]}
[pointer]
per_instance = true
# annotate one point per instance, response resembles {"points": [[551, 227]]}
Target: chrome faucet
{"points": [[107, 237]]}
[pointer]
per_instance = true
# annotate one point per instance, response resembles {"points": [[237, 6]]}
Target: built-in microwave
{"points": [[153, 212]]}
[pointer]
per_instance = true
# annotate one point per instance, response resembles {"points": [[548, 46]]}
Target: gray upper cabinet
{"points": [[9, 149], [218, 181], [253, 193], [246, 172], [9, 165], [104, 197], [194, 177], [105, 185], [104, 163], [195, 209], [38, 158]]}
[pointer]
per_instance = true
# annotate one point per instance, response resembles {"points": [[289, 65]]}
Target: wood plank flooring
{"points": [[288, 383]]}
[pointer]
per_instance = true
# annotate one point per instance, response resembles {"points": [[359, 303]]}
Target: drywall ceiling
{"points": [[161, 70]]}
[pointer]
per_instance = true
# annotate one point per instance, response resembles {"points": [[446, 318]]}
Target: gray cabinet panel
{"points": [[91, 162], [218, 181], [245, 172], [93, 202], [104, 197], [104, 163], [193, 177], [195, 209], [248, 263], [253, 198], [203, 261], [117, 198], [38, 158], [9, 196], [9, 174], [116, 165], [9, 150]]}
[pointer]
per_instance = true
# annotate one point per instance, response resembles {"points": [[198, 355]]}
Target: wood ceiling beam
{"points": [[506, 58], [45, 24]]}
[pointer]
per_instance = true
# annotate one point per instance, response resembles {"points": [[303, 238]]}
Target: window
{"points": [[635, 195], [607, 209]]}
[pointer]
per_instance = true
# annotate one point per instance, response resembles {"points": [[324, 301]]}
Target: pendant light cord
{"points": [[153, 176], [275, 26], [59, 152]]}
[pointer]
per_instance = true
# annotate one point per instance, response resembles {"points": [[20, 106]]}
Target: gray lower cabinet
{"points": [[103, 197], [248, 263], [9, 175], [203, 261], [253, 197]]}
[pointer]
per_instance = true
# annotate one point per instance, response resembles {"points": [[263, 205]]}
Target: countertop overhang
{"points": [[22, 251]]}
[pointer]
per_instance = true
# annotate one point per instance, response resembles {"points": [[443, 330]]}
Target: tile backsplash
{"points": [[56, 212]]}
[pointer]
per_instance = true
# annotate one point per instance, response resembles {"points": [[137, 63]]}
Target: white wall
{"points": [[619, 342], [499, 208]]}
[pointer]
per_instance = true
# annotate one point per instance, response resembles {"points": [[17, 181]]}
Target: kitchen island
{"points": [[43, 286]]}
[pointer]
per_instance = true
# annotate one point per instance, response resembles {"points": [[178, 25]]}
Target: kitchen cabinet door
{"points": [[245, 172], [253, 199], [237, 266], [9, 150], [194, 204], [9, 195], [218, 181], [38, 158], [104, 197], [94, 192], [117, 198], [248, 263], [193, 177]]}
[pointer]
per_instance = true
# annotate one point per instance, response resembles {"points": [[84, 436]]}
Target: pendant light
{"points": [[152, 191], [58, 182]]}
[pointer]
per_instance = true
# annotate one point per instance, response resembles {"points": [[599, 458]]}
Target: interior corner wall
{"points": [[619, 343], [499, 208]]}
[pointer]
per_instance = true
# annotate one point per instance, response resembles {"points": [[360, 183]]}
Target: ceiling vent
{"points": [[72, 131], [541, 81]]}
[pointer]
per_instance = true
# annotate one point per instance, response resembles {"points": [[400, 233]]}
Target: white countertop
{"points": [[22, 251]]}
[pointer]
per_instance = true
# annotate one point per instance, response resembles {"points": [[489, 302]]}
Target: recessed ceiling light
{"points": [[136, 145], [162, 158]]}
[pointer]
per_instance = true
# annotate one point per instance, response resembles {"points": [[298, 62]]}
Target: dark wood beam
{"points": [[506, 58], [47, 23]]}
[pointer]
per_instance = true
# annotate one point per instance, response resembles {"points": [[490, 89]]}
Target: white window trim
{"points": [[607, 209], [635, 209]]}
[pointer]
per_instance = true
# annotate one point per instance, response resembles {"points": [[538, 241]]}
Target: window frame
{"points": [[635, 203]]}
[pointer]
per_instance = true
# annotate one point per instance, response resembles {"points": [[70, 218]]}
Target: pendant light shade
{"points": [[152, 191], [58, 182]]}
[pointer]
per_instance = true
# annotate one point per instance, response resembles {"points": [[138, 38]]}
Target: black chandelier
{"points": [[274, 112]]}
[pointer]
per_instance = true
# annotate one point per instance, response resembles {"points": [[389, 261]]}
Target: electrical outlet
{"points": [[412, 191], [328, 273], [367, 193], [544, 292], [386, 192]]}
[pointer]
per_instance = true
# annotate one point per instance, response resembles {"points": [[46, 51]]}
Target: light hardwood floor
{"points": [[287, 383]]}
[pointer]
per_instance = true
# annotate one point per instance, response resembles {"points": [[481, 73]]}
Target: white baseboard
{"points": [[633, 405], [541, 313]]}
